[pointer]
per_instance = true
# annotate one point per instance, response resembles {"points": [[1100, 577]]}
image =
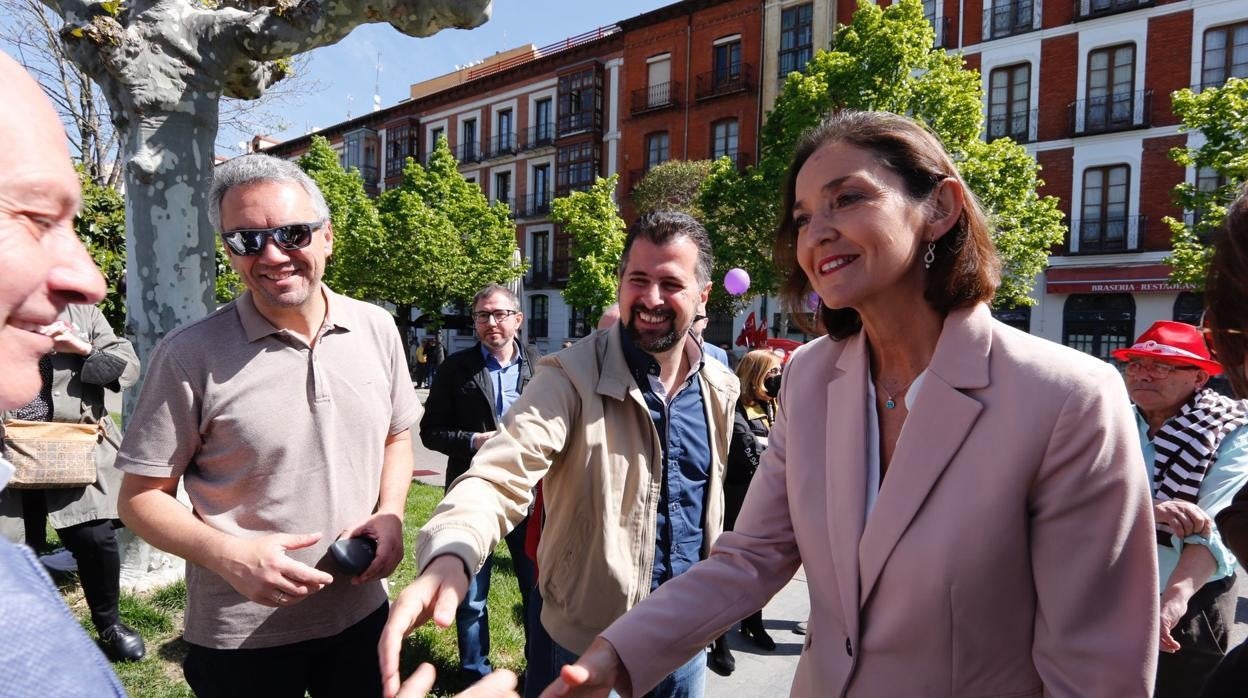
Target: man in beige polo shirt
{"points": [[286, 415]]}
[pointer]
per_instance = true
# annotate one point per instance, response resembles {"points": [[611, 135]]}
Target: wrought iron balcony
{"points": [[502, 145], [540, 136], [532, 205], [1020, 126], [1091, 9], [655, 97], [718, 83], [1121, 111], [1010, 17], [1107, 235], [468, 152]]}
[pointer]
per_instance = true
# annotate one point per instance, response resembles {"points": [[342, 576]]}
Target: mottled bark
{"points": [[163, 66]]}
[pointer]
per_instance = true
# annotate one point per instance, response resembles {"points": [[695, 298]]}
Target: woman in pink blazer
{"points": [[969, 501]]}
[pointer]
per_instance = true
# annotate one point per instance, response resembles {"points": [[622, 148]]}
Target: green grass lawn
{"points": [[158, 616]]}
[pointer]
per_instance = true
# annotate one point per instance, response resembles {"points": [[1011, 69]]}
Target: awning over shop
{"points": [[1139, 278]]}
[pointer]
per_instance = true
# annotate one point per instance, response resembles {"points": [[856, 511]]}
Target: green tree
{"points": [[354, 268], [1221, 115], [101, 224], [883, 60], [593, 221], [441, 241], [674, 185]]}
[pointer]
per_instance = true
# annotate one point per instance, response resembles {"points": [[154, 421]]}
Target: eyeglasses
{"points": [[1155, 369], [482, 317], [248, 243]]}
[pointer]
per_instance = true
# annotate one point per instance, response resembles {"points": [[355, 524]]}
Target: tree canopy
{"points": [[884, 60], [593, 221], [1220, 114], [673, 185]]}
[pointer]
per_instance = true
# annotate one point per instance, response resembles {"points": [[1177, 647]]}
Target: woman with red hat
{"points": [[1196, 444]]}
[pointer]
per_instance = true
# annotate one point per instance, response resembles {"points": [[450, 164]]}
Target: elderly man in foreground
{"points": [[1197, 444], [43, 268]]}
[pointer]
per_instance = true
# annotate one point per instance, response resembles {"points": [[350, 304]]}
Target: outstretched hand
{"points": [[435, 594], [596, 673]]}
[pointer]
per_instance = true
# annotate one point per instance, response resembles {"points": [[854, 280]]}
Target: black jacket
{"points": [[461, 403]]}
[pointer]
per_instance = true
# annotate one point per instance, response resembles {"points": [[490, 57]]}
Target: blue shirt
{"points": [[506, 379], [685, 437], [1228, 472]]}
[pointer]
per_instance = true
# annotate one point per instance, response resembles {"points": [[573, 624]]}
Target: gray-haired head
{"points": [[490, 290], [256, 167]]}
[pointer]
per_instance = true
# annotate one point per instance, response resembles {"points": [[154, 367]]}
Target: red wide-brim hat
{"points": [[1172, 342]]}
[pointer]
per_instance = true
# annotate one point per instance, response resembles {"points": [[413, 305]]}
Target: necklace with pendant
{"points": [[891, 403]]}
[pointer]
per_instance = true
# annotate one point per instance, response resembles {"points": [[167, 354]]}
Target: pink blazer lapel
{"points": [[940, 421], [846, 472]]}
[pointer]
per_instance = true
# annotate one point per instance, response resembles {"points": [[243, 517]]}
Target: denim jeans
{"points": [[546, 657], [472, 618]]}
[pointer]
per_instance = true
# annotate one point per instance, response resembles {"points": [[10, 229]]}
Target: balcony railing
{"points": [[1102, 236], [540, 136], [655, 97], [368, 173], [1021, 126], [502, 145], [718, 83], [580, 121], [468, 152], [1120, 111], [539, 277], [532, 205], [1010, 17], [1091, 9]]}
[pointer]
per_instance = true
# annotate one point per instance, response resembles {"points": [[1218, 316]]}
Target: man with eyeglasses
{"points": [[1197, 444], [627, 430], [286, 415], [467, 399]]}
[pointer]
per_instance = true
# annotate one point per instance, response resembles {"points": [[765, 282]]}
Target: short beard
{"points": [[652, 344]]}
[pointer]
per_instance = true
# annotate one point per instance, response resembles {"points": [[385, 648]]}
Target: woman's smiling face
{"points": [[860, 236]]}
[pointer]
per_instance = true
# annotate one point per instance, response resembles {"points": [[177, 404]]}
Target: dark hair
{"points": [[966, 270], [662, 227], [1226, 293]]}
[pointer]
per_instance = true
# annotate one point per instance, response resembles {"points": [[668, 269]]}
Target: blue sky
{"points": [[346, 72]]}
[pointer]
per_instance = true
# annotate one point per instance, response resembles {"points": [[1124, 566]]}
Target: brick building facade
{"points": [[1084, 84]]}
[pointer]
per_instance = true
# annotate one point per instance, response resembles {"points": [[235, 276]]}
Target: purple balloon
{"points": [[736, 281]]}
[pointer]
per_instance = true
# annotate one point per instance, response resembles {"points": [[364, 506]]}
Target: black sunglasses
{"points": [[248, 243]]}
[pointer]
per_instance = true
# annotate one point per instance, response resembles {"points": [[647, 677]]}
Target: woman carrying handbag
{"points": [[87, 359]]}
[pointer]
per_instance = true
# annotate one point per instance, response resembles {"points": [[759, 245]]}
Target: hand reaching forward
{"points": [[259, 569], [499, 684], [597, 672], [436, 593]]}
